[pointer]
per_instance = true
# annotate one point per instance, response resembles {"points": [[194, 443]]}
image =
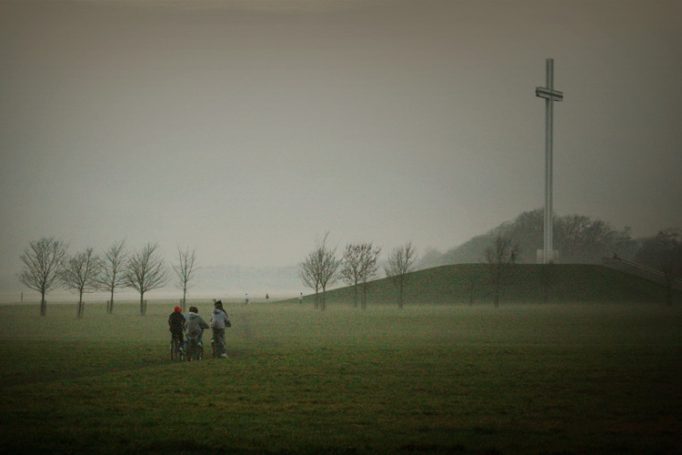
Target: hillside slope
{"points": [[532, 283]]}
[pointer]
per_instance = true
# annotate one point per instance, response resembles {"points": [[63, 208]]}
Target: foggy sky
{"points": [[247, 129]]}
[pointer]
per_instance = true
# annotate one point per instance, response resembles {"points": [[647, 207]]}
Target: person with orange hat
{"points": [[176, 324]]}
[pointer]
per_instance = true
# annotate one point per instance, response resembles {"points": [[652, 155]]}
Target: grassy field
{"points": [[569, 378]]}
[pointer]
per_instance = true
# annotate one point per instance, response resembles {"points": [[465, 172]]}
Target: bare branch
{"points": [[185, 271]]}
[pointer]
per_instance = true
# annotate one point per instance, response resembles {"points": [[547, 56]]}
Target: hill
{"points": [[522, 283]]}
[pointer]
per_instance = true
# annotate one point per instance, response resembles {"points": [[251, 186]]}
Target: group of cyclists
{"points": [[187, 331]]}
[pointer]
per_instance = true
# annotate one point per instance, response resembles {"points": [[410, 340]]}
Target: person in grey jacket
{"points": [[195, 326], [219, 322]]}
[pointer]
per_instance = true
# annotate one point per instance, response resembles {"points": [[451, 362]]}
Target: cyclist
{"points": [[195, 328], [219, 322], [176, 324]]}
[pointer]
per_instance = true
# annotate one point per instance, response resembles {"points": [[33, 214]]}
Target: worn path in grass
{"points": [[516, 379]]}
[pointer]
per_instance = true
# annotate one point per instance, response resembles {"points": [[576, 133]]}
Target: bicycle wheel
{"points": [[192, 350]]}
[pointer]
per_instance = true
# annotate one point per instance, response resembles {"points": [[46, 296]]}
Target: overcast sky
{"points": [[247, 129]]}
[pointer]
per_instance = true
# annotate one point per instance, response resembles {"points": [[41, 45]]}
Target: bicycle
{"points": [[176, 351], [195, 350]]}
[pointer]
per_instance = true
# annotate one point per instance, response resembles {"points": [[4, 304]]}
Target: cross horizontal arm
{"points": [[549, 94]]}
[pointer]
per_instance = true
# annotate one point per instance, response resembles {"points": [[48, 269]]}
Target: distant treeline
{"points": [[578, 238]]}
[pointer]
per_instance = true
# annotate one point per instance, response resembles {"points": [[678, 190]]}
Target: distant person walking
{"points": [[300, 298], [219, 322]]}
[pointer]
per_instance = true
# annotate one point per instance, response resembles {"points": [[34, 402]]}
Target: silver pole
{"points": [[549, 120]]}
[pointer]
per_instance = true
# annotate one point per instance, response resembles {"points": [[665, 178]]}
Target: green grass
{"points": [[568, 378], [521, 283]]}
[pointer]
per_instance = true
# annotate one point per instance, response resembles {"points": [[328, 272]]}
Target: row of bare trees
{"points": [[47, 265], [356, 267]]}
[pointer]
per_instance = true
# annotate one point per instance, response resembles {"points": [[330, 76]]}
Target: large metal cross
{"points": [[550, 95]]}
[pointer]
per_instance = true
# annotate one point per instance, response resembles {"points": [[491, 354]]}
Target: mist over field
{"points": [[249, 129]]}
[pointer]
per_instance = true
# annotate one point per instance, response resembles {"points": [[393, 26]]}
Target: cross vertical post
{"points": [[550, 95]]}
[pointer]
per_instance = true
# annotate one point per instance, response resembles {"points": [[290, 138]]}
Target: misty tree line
{"points": [[358, 264], [662, 253], [579, 239], [48, 265]]}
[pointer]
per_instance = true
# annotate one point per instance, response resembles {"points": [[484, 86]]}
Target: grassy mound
{"points": [[528, 283]]}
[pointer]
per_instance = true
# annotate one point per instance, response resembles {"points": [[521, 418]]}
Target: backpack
{"points": [[194, 326]]}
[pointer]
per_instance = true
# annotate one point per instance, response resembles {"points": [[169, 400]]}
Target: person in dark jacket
{"points": [[176, 324]]}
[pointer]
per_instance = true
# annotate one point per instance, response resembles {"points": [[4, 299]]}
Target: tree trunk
{"points": [[498, 285], [400, 296], [142, 308], [43, 304], [79, 312], [111, 302], [497, 295], [324, 298], [364, 296], [184, 298], [355, 294]]}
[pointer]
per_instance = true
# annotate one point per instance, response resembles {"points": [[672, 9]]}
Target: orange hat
{"points": [[177, 309]]}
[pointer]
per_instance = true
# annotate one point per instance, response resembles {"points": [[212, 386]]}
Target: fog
{"points": [[247, 129]]}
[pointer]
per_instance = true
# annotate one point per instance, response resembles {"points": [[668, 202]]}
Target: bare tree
{"points": [[80, 274], [664, 253], [185, 271], [399, 264], [351, 272], [111, 274], [328, 266], [42, 263], [145, 271], [369, 258], [499, 256], [319, 270], [309, 277]]}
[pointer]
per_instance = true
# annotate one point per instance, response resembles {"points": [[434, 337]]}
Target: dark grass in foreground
{"points": [[467, 379]]}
